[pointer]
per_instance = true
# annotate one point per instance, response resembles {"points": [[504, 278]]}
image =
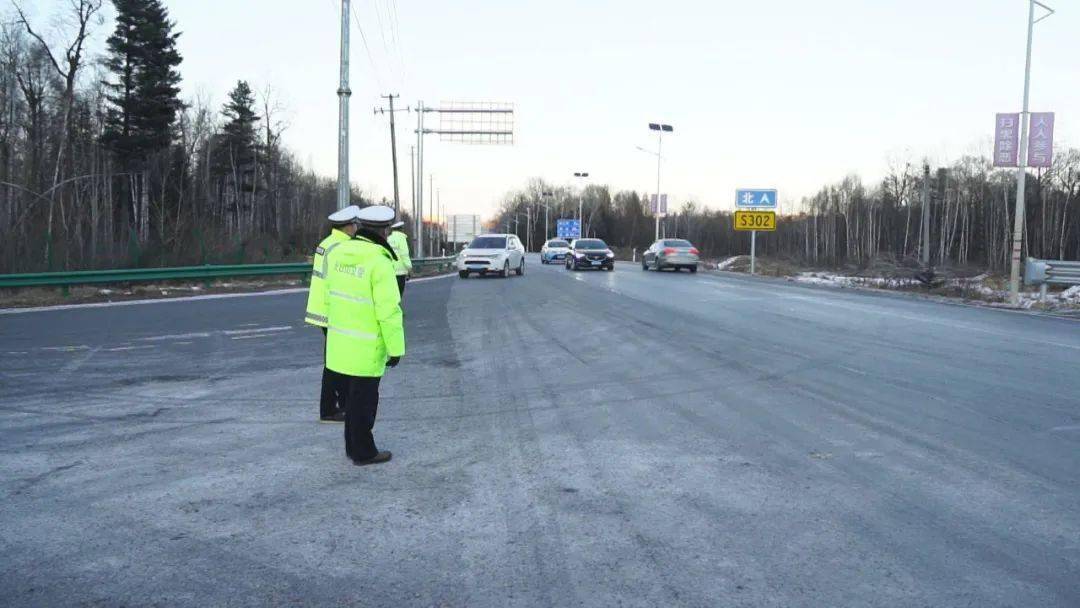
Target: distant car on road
{"points": [[590, 253], [553, 251], [671, 253], [492, 254]]}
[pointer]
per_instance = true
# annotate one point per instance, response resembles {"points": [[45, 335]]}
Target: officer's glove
{"points": [[393, 361]]}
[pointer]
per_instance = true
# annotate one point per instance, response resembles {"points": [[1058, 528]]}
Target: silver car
{"points": [[671, 253]]}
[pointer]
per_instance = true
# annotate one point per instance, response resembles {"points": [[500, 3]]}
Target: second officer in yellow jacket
{"points": [[365, 334], [400, 243]]}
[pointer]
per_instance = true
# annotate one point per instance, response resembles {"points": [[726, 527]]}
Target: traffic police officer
{"points": [[365, 334], [400, 243], [343, 227]]}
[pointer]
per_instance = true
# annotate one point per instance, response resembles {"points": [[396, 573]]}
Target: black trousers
{"points": [[360, 396], [401, 283], [329, 399]]}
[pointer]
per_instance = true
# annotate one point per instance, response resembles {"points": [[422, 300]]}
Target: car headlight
{"points": [[610, 254]]}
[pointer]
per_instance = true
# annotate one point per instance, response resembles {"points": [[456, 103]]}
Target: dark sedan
{"points": [[590, 253]]}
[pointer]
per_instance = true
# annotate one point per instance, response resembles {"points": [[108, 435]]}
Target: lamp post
{"points": [[581, 204], [547, 212], [660, 129], [1021, 167]]}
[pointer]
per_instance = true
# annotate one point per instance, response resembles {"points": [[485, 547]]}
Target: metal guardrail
{"points": [[1051, 272], [196, 273]]}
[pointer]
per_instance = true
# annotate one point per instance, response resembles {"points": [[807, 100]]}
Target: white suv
{"points": [[492, 253]]}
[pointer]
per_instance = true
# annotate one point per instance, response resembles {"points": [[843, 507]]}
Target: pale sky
{"points": [[788, 94]]}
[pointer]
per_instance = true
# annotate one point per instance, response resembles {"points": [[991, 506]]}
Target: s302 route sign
{"points": [[755, 220]]}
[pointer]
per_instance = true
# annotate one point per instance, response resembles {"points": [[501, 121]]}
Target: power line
{"points": [[367, 49], [382, 30]]}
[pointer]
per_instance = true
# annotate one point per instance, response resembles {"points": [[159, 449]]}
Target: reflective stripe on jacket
{"points": [[400, 243], [364, 309], [316, 302]]}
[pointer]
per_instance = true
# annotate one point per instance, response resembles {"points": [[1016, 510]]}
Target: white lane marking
{"points": [[66, 348], [425, 279], [197, 334], [121, 348], [256, 330], [78, 362], [1071, 427], [248, 337], [213, 296], [17, 352]]}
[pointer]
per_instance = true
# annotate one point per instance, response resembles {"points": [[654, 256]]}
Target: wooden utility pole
{"points": [[393, 145]]}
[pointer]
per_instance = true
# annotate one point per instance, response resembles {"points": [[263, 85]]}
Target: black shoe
{"points": [[376, 459], [338, 417]]}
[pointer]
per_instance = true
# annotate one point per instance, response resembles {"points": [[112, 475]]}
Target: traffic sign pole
{"points": [[753, 244]]}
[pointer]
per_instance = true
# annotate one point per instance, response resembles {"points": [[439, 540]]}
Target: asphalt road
{"points": [[560, 439]]}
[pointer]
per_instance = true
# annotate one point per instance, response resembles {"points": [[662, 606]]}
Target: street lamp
{"points": [[660, 129], [547, 212], [580, 205], [1021, 167]]}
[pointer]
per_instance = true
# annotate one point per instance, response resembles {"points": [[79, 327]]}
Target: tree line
{"points": [[971, 208], [104, 164]]}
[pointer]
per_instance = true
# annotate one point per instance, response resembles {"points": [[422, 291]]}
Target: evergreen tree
{"points": [[240, 130], [144, 90]]}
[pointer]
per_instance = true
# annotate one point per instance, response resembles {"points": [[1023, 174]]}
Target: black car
{"points": [[590, 253]]}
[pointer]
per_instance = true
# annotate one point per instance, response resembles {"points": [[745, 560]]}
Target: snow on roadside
{"points": [[976, 286], [728, 263]]}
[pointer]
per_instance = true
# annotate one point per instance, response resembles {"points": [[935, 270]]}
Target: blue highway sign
{"points": [[755, 199], [568, 229]]}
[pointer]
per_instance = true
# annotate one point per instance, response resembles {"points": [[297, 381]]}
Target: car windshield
{"points": [[558, 244], [590, 244], [677, 243], [488, 242]]}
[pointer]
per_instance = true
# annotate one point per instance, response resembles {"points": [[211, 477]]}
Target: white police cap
{"points": [[348, 215], [376, 216]]}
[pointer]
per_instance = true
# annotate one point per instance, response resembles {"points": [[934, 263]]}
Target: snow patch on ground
{"points": [[728, 263], [975, 287]]}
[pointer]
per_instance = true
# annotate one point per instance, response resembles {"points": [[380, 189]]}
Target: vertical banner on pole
{"points": [[1006, 140], [1041, 140]]}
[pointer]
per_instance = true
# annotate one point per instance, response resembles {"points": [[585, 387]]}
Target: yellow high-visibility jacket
{"points": [[400, 243], [316, 301], [364, 309]]}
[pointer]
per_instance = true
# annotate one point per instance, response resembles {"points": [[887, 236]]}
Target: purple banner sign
{"points": [[663, 204], [1006, 140], [1041, 142]]}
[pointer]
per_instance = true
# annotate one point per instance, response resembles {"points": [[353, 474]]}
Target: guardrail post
{"points": [[1042, 292]]}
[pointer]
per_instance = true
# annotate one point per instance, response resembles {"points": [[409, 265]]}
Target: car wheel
{"points": [[644, 264], [463, 274], [693, 269], [521, 268], [505, 272]]}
